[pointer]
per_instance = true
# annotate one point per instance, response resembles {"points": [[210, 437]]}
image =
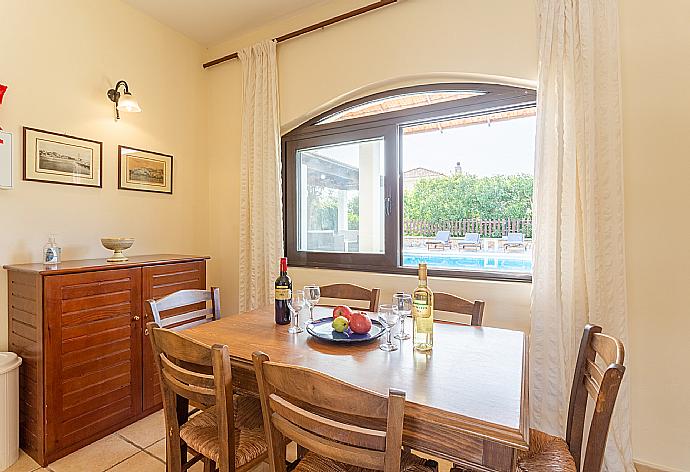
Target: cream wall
{"points": [[357, 57], [58, 59], [655, 43], [60, 63], [425, 40]]}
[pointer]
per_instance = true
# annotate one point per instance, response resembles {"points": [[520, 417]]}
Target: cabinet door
{"points": [[93, 355], [159, 281]]}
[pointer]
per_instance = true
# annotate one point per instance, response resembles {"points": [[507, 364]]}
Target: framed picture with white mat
{"points": [[144, 171], [62, 159]]}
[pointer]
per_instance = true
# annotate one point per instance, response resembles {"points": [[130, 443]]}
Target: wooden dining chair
{"points": [[551, 453], [228, 434], [343, 427], [453, 304], [186, 308], [352, 292]]}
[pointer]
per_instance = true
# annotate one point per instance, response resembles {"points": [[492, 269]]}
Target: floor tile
{"points": [[24, 464], [141, 462], [99, 456], [198, 467], [146, 431], [157, 449]]}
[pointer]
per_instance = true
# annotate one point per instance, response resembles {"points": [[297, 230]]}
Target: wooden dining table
{"points": [[466, 401]]}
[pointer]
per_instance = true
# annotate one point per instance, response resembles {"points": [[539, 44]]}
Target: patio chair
{"points": [[442, 241], [471, 240], [514, 240]]}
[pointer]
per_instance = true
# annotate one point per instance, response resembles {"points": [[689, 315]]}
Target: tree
{"points": [[322, 208], [463, 196], [353, 213]]}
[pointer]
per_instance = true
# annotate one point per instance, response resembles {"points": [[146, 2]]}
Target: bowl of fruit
{"points": [[346, 326]]}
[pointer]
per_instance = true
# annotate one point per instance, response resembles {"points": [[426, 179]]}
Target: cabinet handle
{"points": [[136, 318], [146, 332]]}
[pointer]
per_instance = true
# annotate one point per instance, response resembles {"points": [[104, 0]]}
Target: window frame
{"points": [[388, 125]]}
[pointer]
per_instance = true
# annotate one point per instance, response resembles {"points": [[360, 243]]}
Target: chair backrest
{"points": [[352, 292], [453, 304], [183, 365], [602, 385], [186, 308], [516, 237], [472, 237], [443, 236], [313, 410]]}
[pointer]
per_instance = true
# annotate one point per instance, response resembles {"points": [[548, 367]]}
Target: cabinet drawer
{"points": [[93, 354]]}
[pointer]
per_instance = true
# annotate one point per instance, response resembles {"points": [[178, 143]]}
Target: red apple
{"points": [[342, 310], [360, 323]]}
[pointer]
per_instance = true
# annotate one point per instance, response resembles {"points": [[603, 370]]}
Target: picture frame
{"points": [[144, 171], [61, 159]]}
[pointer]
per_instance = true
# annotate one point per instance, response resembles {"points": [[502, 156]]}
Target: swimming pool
{"points": [[473, 262]]}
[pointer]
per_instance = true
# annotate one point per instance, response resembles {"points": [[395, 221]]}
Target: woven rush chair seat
{"points": [[201, 431], [314, 463], [546, 454]]}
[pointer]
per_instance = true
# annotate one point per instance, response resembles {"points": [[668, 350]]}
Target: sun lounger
{"points": [[442, 241], [514, 240], [471, 240]]}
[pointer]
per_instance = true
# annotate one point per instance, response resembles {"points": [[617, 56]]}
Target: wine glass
{"points": [[296, 304], [402, 303], [389, 317], [312, 294]]}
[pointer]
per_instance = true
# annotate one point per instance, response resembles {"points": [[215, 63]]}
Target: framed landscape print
{"points": [[62, 159], [145, 171]]}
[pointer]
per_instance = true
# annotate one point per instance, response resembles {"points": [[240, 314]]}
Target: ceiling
{"points": [[212, 21]]}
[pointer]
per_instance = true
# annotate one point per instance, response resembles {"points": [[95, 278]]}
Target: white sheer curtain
{"points": [[579, 258], [261, 212]]}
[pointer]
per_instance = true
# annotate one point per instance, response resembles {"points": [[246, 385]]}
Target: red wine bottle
{"points": [[283, 288]]}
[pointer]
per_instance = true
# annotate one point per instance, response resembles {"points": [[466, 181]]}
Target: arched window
{"points": [[436, 173]]}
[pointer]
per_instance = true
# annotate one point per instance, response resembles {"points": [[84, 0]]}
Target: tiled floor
{"points": [[137, 448], [140, 447]]}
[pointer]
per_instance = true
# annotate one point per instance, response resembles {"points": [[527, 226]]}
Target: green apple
{"points": [[340, 324]]}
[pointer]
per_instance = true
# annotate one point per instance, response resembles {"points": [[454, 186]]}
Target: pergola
{"points": [[323, 171]]}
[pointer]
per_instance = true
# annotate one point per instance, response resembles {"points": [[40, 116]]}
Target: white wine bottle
{"points": [[423, 313]]}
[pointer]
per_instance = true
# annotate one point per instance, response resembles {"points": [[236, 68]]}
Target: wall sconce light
{"points": [[124, 101]]}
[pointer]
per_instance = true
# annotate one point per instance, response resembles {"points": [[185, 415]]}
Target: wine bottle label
{"points": [[424, 325], [283, 292], [421, 309]]}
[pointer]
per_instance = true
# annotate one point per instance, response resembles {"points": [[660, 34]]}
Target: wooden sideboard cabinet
{"points": [[80, 327]]}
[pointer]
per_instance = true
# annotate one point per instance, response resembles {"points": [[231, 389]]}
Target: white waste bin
{"points": [[9, 408]]}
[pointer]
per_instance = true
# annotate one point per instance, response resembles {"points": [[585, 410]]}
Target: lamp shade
{"points": [[128, 103]]}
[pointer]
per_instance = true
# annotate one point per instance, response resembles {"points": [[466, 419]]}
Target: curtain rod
{"points": [[309, 29]]}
